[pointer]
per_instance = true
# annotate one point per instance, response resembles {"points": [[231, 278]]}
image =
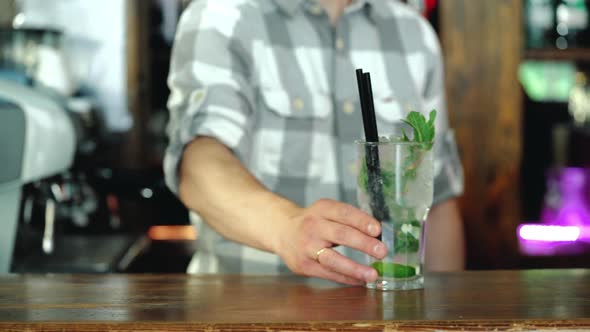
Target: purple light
{"points": [[549, 240], [573, 216], [566, 201], [549, 233], [564, 227]]}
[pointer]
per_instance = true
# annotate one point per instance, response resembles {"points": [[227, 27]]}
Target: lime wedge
{"points": [[394, 270]]}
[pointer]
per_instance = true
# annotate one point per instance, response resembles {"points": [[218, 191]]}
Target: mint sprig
{"points": [[424, 131]]}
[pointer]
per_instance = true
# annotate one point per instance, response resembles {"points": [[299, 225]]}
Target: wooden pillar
{"points": [[138, 56], [482, 45], [7, 12]]}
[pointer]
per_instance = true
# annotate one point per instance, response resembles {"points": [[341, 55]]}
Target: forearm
{"points": [[220, 189], [445, 244], [214, 184]]}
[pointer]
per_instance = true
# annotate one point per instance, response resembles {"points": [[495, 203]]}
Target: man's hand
{"points": [[325, 224]]}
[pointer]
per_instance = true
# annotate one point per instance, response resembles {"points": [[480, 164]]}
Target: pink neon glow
{"points": [[566, 201], [549, 233], [564, 227]]}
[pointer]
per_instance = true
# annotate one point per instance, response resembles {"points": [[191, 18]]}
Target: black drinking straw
{"points": [[375, 190], [370, 107], [369, 133]]}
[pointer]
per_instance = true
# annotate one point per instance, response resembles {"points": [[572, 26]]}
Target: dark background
{"points": [[505, 138]]}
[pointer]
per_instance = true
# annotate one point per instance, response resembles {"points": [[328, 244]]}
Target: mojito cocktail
{"points": [[398, 193]]}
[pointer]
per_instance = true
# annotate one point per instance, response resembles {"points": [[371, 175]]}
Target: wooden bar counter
{"points": [[471, 301]]}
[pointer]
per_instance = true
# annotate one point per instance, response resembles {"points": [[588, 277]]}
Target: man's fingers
{"points": [[348, 215], [341, 265], [328, 223], [353, 238], [325, 273]]}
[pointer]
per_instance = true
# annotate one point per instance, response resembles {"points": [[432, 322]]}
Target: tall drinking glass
{"points": [[395, 185]]}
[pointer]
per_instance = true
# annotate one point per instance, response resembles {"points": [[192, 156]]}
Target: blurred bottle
{"points": [[572, 23], [579, 100], [540, 23]]}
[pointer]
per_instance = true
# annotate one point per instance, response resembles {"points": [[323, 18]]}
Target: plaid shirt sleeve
{"points": [[449, 178], [210, 94]]}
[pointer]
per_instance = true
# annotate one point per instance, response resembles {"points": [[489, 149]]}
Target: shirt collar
{"points": [[290, 7]]}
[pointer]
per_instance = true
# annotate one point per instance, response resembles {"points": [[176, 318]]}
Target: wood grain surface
{"points": [[482, 43], [501, 300]]}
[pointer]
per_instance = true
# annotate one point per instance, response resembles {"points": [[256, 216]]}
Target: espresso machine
{"points": [[60, 212], [37, 141]]}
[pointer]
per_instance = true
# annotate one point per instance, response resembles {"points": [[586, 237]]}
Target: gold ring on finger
{"points": [[318, 253]]}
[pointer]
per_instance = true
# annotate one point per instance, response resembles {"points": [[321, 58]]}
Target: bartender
{"points": [[264, 112]]}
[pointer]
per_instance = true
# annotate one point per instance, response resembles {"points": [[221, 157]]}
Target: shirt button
{"points": [[409, 107], [198, 96], [348, 107], [316, 9], [298, 104], [339, 44]]}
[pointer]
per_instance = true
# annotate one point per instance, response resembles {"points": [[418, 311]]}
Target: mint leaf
{"points": [[363, 177], [406, 242], [405, 137], [424, 131], [432, 130]]}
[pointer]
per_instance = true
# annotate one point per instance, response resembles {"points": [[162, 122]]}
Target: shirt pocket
{"points": [[291, 134]]}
